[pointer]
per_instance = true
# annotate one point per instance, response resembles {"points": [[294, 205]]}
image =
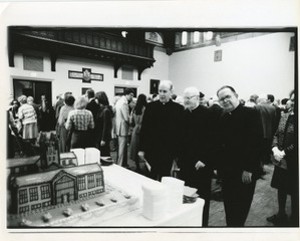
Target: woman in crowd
{"points": [[103, 124], [62, 132], [114, 142], [80, 122], [14, 109], [47, 115], [12, 132], [285, 173], [28, 121], [137, 118], [30, 101]]}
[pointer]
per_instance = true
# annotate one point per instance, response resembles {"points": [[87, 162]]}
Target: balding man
{"points": [[195, 162], [161, 132], [240, 137]]}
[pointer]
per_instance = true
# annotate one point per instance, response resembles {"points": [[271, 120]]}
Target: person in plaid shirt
{"points": [[80, 122]]}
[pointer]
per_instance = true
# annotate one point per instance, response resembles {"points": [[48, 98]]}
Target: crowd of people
{"points": [[234, 137]]}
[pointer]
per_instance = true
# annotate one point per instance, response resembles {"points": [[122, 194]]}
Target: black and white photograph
{"points": [[138, 126]]}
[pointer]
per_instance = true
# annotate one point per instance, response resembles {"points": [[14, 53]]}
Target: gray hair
{"points": [[166, 83], [22, 99], [29, 99], [193, 90], [81, 103]]}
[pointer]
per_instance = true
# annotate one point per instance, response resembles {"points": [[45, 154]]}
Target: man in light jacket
{"points": [[122, 126]]}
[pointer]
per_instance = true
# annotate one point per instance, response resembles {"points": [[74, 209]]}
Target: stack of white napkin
{"points": [[87, 155], [174, 189], [154, 201]]}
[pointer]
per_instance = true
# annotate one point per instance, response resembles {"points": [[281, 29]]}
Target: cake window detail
{"points": [[81, 183], [46, 204], [36, 206], [98, 180], [45, 191], [24, 209], [23, 198], [64, 183], [91, 181], [33, 193]]}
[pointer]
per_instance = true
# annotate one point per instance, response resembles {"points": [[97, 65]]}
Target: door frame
{"points": [[33, 80]]}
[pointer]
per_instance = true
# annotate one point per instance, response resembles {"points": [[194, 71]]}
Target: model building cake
{"points": [[66, 196]]}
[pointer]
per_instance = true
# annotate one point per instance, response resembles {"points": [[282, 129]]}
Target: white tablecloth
{"points": [[188, 215]]}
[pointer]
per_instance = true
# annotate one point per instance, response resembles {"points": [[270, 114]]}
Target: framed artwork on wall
{"points": [[85, 75], [83, 90], [119, 90], [154, 86]]}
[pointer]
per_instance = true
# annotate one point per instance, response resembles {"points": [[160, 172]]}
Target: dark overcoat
{"points": [[161, 131], [240, 136]]}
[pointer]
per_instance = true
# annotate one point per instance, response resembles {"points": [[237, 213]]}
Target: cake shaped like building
{"points": [[61, 186]]}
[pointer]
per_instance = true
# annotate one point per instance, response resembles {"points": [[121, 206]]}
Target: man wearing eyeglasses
{"points": [[240, 137], [195, 162], [161, 132]]}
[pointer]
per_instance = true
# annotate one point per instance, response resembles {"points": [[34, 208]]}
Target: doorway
{"points": [[65, 198], [33, 88]]}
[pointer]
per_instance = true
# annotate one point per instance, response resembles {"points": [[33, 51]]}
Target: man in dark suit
{"points": [[94, 108], [92, 104], [268, 118], [161, 132], [240, 137], [194, 161]]}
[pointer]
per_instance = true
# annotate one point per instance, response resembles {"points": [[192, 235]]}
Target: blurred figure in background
{"points": [[92, 104], [28, 120], [114, 140], [35, 106], [80, 123], [12, 132], [203, 100], [61, 131], [271, 101], [93, 107], [137, 117], [103, 124], [122, 125], [47, 115], [268, 119], [252, 101], [14, 109], [59, 103], [283, 105]]}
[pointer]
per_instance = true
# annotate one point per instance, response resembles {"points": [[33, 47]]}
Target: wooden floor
{"points": [[264, 203]]}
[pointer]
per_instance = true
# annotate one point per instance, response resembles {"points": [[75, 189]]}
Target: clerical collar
{"points": [[164, 103], [233, 111], [194, 109]]}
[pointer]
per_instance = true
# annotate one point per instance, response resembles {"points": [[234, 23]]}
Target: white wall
{"points": [[258, 65], [61, 83]]}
